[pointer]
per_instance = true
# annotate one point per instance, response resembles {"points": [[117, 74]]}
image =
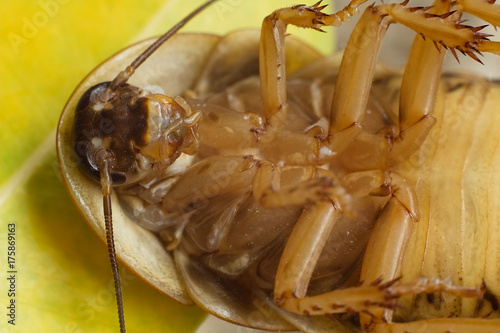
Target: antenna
{"points": [[123, 76], [105, 156]]}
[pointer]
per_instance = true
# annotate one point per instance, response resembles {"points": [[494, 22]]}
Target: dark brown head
{"points": [[124, 134], [133, 130]]}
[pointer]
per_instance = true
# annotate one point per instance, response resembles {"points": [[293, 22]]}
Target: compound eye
{"points": [[93, 97], [92, 164], [97, 116], [88, 152]]}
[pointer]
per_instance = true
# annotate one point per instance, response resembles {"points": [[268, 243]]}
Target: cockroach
{"points": [[250, 175]]}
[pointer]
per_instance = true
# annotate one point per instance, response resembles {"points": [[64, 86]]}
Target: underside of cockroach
{"points": [[320, 194]]}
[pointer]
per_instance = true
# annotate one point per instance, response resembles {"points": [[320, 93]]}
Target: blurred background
{"points": [[398, 39]]}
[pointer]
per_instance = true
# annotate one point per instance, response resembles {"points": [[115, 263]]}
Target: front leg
{"points": [[419, 91], [358, 65], [272, 58]]}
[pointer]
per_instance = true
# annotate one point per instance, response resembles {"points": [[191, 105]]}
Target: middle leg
{"points": [[358, 65]]}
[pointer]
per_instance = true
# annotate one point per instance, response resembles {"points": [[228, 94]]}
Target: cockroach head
{"points": [[100, 129], [132, 130], [122, 132]]}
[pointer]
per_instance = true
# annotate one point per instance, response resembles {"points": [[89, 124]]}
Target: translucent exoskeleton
{"points": [[251, 175]]}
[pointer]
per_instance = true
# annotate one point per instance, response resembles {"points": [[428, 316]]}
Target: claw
{"points": [[445, 16], [474, 56], [459, 48], [459, 25], [390, 283], [444, 45], [377, 281], [481, 27], [473, 47], [315, 8], [436, 45], [455, 54], [318, 3], [423, 9], [318, 21]]}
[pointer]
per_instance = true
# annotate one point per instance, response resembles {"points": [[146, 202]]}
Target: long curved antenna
{"points": [[123, 76], [108, 224]]}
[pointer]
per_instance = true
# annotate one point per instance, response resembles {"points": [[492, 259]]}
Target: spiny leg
{"points": [[297, 263], [290, 294], [302, 252], [387, 243], [358, 64], [354, 82], [272, 58], [488, 11], [418, 95], [419, 90], [423, 70], [308, 238]]}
